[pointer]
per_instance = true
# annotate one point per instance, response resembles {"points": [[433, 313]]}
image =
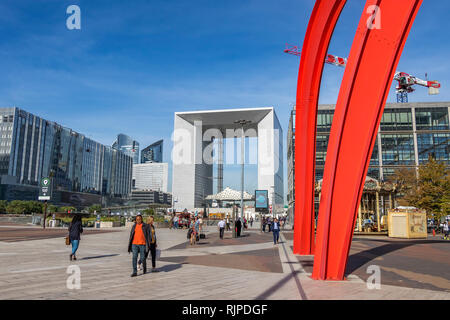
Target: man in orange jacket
{"points": [[139, 243]]}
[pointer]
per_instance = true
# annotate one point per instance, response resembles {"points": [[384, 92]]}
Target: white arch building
{"points": [[198, 142]]}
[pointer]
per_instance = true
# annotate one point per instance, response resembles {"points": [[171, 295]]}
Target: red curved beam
{"points": [[371, 65], [315, 46]]}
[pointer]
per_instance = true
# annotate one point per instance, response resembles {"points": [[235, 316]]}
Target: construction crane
{"points": [[405, 80]]}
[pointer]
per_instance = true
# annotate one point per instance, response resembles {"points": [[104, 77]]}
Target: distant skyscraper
{"points": [[128, 146], [153, 153]]}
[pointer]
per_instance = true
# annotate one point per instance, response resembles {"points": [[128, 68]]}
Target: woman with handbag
{"points": [[75, 230]]}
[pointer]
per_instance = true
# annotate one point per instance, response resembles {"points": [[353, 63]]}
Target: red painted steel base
{"points": [[315, 46], [371, 65]]}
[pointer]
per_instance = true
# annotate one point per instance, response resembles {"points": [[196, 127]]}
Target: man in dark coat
{"points": [[139, 243]]}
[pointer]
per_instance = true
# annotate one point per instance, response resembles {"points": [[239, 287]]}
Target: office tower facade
{"points": [[151, 176], [128, 146], [153, 153], [408, 135], [32, 148]]}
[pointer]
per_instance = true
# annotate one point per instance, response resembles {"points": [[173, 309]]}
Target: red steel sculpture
{"points": [[371, 65], [315, 46]]}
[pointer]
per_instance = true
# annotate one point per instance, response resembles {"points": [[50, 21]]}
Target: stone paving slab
{"points": [[38, 270]]}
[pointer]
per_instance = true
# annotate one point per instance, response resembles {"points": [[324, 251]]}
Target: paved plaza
{"points": [[250, 267]]}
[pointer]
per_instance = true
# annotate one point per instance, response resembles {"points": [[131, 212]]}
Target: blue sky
{"points": [[134, 63]]}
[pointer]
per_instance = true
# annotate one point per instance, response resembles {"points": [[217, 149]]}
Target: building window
{"points": [[396, 120], [432, 119], [397, 149], [436, 145], [324, 120], [321, 149]]}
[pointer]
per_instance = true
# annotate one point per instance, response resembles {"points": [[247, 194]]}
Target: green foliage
{"points": [[430, 190], [66, 209], [3, 205], [148, 212], [24, 207], [95, 207], [52, 208]]}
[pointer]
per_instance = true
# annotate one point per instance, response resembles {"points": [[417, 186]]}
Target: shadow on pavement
{"points": [[98, 257], [357, 260], [170, 267], [280, 284]]}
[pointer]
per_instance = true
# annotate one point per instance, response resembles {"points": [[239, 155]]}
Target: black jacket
{"points": [[147, 235], [75, 229]]}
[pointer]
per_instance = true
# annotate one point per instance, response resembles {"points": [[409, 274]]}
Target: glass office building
{"points": [[408, 134], [32, 148], [128, 146], [153, 153]]}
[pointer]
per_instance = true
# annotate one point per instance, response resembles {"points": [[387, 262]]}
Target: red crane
{"points": [[405, 80]]}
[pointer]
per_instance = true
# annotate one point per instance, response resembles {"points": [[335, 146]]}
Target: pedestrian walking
{"points": [[276, 231], [251, 222], [170, 222], [228, 223], [139, 243], [195, 226], [175, 221], [264, 223], [153, 244], [221, 226], [446, 230], [269, 223], [75, 231], [238, 226]]}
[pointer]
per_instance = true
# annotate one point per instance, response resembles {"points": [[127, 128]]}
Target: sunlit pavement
{"points": [[250, 267]]}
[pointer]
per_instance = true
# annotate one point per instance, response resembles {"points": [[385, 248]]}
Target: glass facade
{"points": [[128, 146], [153, 153], [409, 134], [397, 149], [436, 145], [432, 119], [396, 120], [32, 148]]}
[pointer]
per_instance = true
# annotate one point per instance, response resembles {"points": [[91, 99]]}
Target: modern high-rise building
{"points": [[32, 148], [128, 146], [409, 133], [151, 176], [153, 153]]}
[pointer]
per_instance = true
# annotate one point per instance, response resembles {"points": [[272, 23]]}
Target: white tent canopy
{"points": [[229, 195]]}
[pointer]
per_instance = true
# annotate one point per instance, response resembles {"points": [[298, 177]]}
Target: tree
{"points": [[16, 207], [52, 208], [148, 212], [3, 205], [95, 207], [428, 190]]}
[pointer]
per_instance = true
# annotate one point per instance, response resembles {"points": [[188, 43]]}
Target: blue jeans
{"points": [[276, 236], [75, 244], [138, 249]]}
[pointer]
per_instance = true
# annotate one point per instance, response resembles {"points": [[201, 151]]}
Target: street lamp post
{"points": [[242, 123]]}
